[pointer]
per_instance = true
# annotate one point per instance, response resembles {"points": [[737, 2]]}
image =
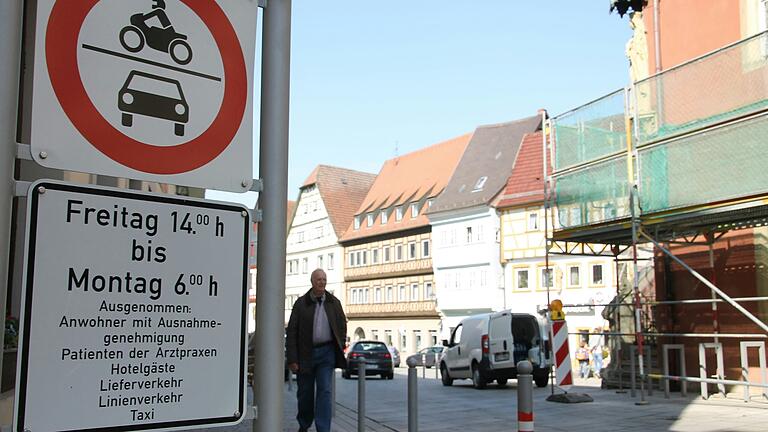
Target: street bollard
{"points": [[437, 367], [361, 395], [524, 396], [423, 366], [413, 402]]}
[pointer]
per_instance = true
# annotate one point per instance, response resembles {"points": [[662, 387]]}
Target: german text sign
{"points": [[157, 90], [134, 313]]}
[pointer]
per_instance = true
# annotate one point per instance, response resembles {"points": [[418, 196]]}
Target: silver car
{"points": [[429, 355]]}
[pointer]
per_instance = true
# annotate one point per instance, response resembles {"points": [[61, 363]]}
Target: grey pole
{"points": [[424, 366], [437, 367], [273, 170], [10, 53], [361, 395], [413, 396], [524, 396]]}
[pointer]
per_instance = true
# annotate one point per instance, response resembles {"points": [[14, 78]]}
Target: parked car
{"points": [[428, 354], [487, 347], [395, 355], [378, 360], [251, 359]]}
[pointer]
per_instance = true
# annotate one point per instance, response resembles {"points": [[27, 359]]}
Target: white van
{"points": [[487, 347]]}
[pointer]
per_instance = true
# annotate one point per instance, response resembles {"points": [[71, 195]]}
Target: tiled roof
{"points": [[291, 207], [525, 185], [411, 177], [485, 166], [342, 190]]}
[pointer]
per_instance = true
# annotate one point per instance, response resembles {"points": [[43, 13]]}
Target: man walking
{"points": [[314, 345]]}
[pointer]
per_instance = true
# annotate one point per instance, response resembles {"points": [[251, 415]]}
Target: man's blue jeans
{"points": [[320, 374], [597, 361]]}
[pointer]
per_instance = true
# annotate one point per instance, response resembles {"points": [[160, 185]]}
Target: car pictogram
{"points": [[153, 96]]}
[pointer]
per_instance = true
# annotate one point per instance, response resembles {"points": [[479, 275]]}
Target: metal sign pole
{"points": [[273, 169], [10, 52]]}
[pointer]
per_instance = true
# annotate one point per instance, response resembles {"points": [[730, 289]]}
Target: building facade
{"points": [[465, 227], [324, 207], [581, 282], [388, 279]]}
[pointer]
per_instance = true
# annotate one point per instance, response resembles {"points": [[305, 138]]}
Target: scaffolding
{"points": [[677, 158]]}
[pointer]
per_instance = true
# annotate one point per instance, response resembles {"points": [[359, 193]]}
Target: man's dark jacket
{"points": [[298, 336]]}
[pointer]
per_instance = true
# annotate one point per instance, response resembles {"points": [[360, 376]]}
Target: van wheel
{"points": [[501, 382], [478, 380], [444, 377]]}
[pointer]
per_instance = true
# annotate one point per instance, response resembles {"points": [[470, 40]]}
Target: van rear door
{"points": [[500, 341]]}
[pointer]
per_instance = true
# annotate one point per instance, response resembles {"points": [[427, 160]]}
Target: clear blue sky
{"points": [[370, 80]]}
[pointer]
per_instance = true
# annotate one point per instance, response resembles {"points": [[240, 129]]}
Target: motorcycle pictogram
{"points": [[155, 29]]}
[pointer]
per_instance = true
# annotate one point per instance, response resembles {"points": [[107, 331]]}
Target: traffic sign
{"points": [[134, 311], [157, 90]]}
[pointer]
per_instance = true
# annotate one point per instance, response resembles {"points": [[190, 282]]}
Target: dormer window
{"points": [[480, 183], [399, 213], [357, 222], [369, 219], [384, 216], [429, 202], [414, 209]]}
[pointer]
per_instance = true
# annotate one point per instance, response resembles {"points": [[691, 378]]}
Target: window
{"points": [[574, 278], [399, 252], [433, 337], [365, 296], [597, 274], [319, 261], [456, 336], [425, 248], [414, 210], [351, 259], [357, 222], [429, 202], [319, 232], [483, 278], [389, 294], [469, 234], [375, 256], [428, 293], [300, 236], [479, 184], [399, 213], [417, 336], [305, 265], [330, 261], [412, 250], [402, 341], [533, 221], [402, 293], [415, 292], [386, 254], [546, 278], [384, 216], [365, 257], [522, 279], [375, 334], [388, 337], [353, 296], [377, 295]]}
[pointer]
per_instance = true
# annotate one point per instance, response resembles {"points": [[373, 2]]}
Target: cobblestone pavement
{"points": [[462, 408]]}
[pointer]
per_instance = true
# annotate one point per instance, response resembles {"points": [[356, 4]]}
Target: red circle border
{"points": [[61, 43]]}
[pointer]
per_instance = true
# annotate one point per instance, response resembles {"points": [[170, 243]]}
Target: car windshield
{"points": [[154, 86], [370, 346]]}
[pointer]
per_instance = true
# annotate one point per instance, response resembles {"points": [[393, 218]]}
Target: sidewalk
{"points": [[462, 408]]}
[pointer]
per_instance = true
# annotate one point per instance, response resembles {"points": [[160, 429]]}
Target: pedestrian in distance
{"points": [[596, 349], [314, 347], [582, 355]]}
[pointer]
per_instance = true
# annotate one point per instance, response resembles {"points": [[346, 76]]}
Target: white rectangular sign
{"points": [[134, 311], [158, 90]]}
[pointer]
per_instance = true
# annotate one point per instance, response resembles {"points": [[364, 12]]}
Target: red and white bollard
{"points": [[563, 373], [524, 396]]}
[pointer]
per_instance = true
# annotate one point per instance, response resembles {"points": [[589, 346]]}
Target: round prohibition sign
{"points": [[61, 42]]}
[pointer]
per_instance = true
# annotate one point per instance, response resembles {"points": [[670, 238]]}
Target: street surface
{"points": [[462, 408]]}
